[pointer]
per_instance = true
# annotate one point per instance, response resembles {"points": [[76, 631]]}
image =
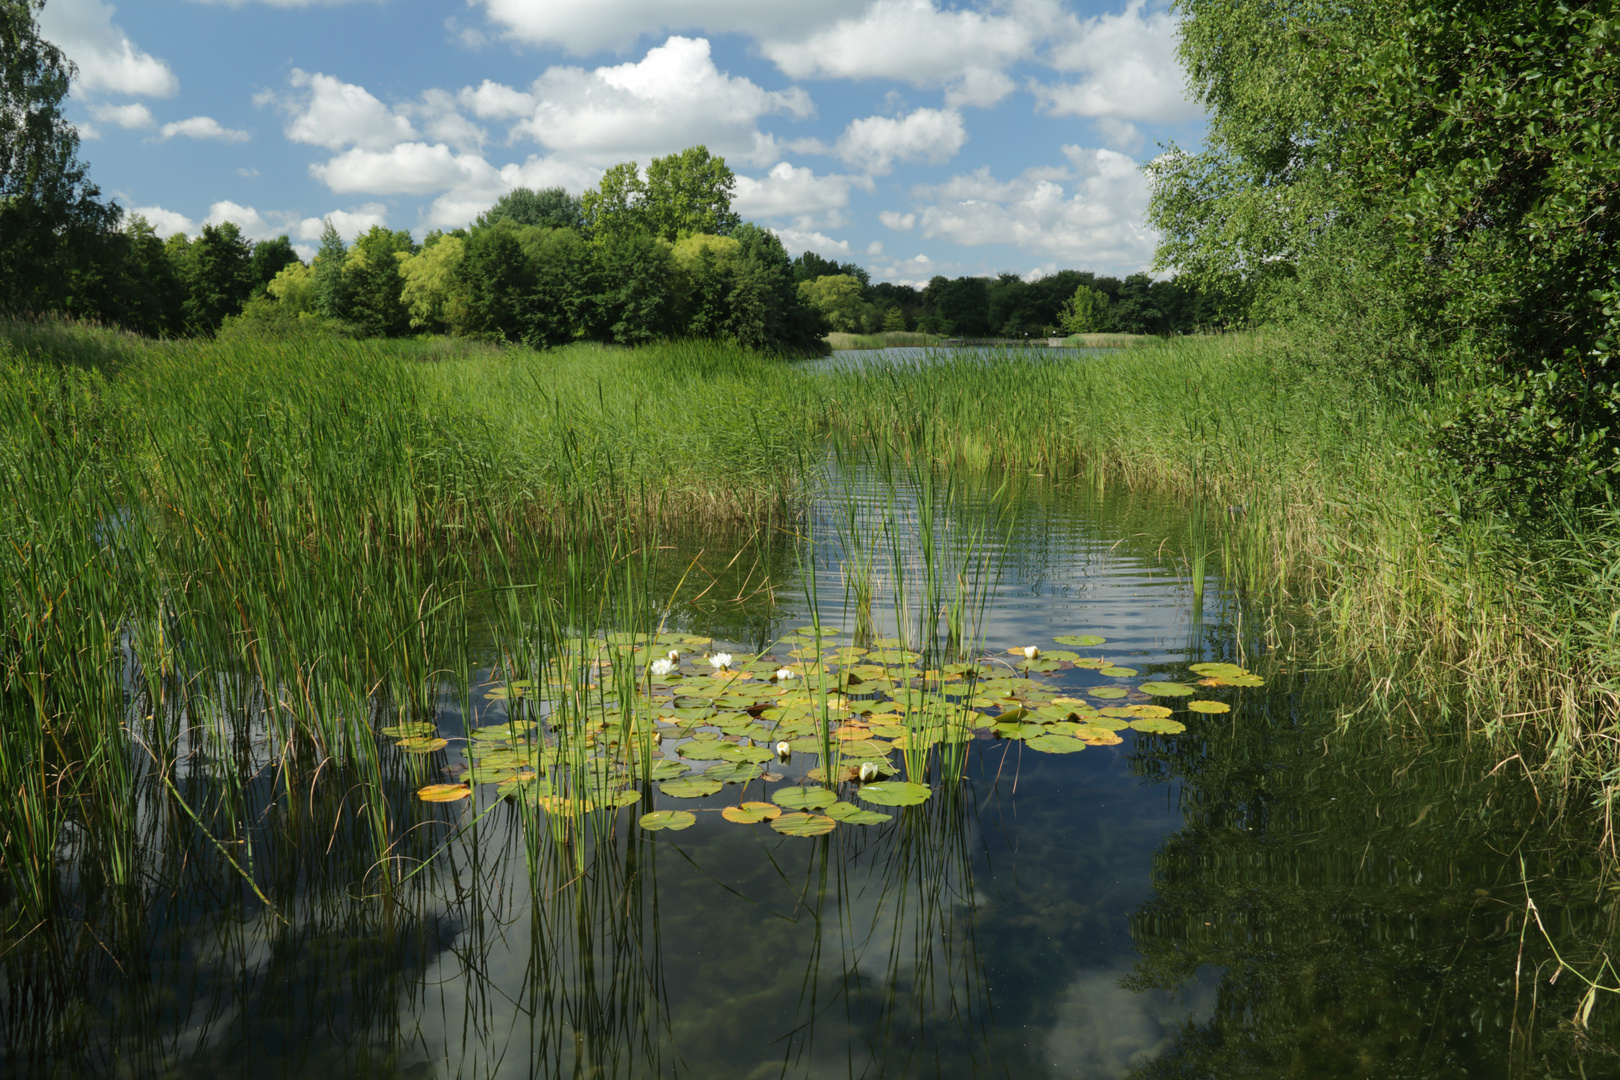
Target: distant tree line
{"points": [[647, 254], [1008, 306]]}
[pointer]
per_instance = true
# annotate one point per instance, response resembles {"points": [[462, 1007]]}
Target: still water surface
{"points": [[1267, 894]]}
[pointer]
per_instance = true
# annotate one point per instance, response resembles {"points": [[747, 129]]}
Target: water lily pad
{"points": [[806, 744], [624, 798], [690, 787], [865, 751], [1203, 706], [407, 730], [1117, 672], [669, 770], [1157, 726], [528, 784], [674, 820], [557, 804], [1109, 693], [1055, 744], [1237, 680], [850, 814], [1141, 712], [1103, 737], [732, 772], [443, 792], [1166, 689], [803, 798], [752, 813], [422, 744], [804, 824], [1219, 671], [703, 749], [894, 793], [1085, 641]]}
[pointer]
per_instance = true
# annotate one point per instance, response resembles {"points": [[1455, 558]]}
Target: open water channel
{"points": [[1287, 888]]}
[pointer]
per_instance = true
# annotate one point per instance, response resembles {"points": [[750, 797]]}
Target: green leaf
{"points": [[1055, 744], [1166, 689], [803, 798], [894, 793], [804, 824], [674, 820], [850, 814], [692, 787], [1084, 641]]}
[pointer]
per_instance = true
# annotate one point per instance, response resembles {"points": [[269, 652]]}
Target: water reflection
{"points": [[1265, 894]]}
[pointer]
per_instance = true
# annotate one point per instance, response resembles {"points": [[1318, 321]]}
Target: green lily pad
{"points": [[751, 813], [691, 787], [1110, 693], [1055, 744], [1218, 671], [1117, 672], [1209, 706], [860, 751], [803, 798], [894, 793], [1166, 689], [732, 772], [804, 824], [703, 749], [850, 814], [1157, 726], [669, 770], [1084, 641], [408, 730], [624, 798], [674, 820]]}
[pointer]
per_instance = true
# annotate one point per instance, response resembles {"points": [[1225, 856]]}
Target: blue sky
{"points": [[911, 136]]}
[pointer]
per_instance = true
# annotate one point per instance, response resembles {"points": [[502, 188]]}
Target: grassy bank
{"points": [[889, 339]]}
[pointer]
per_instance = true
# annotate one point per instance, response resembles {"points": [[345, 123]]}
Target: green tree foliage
{"points": [[218, 274], [688, 193], [270, 257], [429, 284], [1086, 311], [51, 219], [838, 299], [551, 207], [635, 304], [333, 298], [1439, 178], [893, 320], [766, 311], [810, 265], [374, 284], [683, 194], [496, 280]]}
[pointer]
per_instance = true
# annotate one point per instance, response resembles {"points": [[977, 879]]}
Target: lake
{"points": [[1282, 888]]}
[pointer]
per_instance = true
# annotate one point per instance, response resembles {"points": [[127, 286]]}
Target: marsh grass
{"points": [[889, 339], [1318, 498]]}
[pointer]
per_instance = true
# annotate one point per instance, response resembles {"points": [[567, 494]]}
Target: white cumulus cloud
{"points": [[335, 114], [801, 240], [133, 116], [1090, 215], [1128, 68], [787, 191], [910, 40], [672, 98], [202, 127], [107, 59], [586, 26], [165, 222], [897, 221], [411, 168], [876, 142]]}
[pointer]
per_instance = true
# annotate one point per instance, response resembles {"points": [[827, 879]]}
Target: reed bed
{"points": [[1319, 499]]}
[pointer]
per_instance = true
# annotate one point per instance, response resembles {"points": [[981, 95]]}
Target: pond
{"points": [[1118, 885]]}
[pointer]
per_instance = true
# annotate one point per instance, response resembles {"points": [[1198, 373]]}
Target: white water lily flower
{"points": [[720, 661], [673, 656], [869, 771], [662, 667], [783, 674], [784, 751], [1031, 652]]}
